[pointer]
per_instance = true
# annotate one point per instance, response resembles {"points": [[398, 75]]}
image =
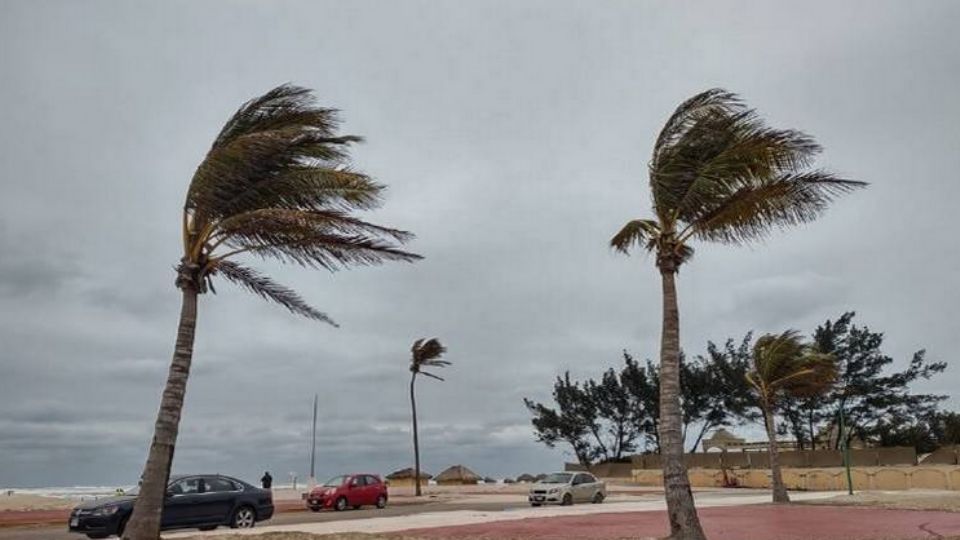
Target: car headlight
{"points": [[554, 490], [106, 511]]}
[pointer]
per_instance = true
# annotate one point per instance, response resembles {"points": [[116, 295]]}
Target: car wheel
{"points": [[243, 518], [598, 498], [382, 502], [314, 508], [567, 499], [340, 505]]}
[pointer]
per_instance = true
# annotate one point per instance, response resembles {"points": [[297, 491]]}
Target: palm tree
{"points": [[425, 353], [275, 185], [784, 365], [717, 174]]}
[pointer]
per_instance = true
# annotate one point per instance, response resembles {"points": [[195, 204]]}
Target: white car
{"points": [[567, 488]]}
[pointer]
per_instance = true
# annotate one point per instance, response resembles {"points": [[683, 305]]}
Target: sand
{"points": [[21, 502], [902, 500]]}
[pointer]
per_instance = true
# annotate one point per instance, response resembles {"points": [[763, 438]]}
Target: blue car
{"points": [[200, 501]]}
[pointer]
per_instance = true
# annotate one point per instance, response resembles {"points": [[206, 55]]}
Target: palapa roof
{"points": [[403, 474], [458, 472]]}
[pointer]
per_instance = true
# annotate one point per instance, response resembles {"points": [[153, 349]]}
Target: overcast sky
{"points": [[514, 137]]}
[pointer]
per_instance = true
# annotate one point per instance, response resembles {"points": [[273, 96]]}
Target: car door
{"points": [[219, 499], [182, 506], [372, 489], [581, 488]]}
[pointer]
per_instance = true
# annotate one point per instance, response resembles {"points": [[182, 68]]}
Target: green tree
{"points": [[425, 353], [574, 421], [784, 365], [275, 185], [717, 174], [868, 391]]}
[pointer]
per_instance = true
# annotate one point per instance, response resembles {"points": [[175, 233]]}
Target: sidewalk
{"points": [[429, 520]]}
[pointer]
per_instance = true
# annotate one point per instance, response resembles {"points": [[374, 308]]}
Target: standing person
{"points": [[267, 480]]}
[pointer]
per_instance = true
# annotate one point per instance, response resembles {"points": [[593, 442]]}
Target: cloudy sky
{"points": [[514, 138]]}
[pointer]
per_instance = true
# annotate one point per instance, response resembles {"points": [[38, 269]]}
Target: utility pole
{"points": [[313, 447], [846, 449]]}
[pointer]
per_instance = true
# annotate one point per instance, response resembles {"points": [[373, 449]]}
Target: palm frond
{"points": [[720, 173], [267, 289], [751, 212], [427, 353], [786, 364], [280, 107], [639, 232], [703, 104]]}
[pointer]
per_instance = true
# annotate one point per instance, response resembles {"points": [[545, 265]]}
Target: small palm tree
{"points": [[785, 365], [274, 185], [718, 174], [425, 353]]}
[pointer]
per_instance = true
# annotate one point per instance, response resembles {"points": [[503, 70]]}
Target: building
{"points": [[404, 478], [457, 475]]}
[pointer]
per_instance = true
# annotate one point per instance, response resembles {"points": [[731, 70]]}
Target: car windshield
{"points": [[557, 478], [336, 481]]}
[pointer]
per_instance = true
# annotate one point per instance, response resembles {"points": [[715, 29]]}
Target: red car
{"points": [[354, 490]]}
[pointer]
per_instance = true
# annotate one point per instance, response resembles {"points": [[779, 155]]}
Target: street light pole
{"points": [[313, 447]]}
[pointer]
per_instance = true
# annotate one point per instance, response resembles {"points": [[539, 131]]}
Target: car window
{"points": [[372, 480], [557, 478], [187, 486], [358, 481], [336, 481], [218, 484], [581, 479]]}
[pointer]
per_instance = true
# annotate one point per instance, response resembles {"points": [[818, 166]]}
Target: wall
{"points": [[823, 479], [818, 459]]}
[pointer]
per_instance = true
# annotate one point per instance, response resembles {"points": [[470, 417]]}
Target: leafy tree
{"points": [[604, 420], [425, 353], [702, 399], [785, 365], [869, 392], [717, 174], [574, 421], [615, 406], [926, 434], [275, 185]]}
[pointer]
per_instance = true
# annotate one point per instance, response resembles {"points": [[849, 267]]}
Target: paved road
{"points": [[287, 518]]}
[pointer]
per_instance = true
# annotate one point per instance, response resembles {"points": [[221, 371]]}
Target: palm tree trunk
{"points": [[145, 522], [779, 490], [416, 441], [684, 523]]}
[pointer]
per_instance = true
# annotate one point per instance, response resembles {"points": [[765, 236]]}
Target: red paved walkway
{"points": [[730, 523]]}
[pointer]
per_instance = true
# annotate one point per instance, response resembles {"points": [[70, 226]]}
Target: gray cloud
{"points": [[514, 137]]}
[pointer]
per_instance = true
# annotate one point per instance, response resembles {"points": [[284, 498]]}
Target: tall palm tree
{"points": [[785, 365], [425, 353], [718, 174], [275, 185]]}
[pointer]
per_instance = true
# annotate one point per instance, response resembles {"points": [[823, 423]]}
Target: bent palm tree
{"points": [[785, 365], [274, 185], [718, 174], [425, 353]]}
